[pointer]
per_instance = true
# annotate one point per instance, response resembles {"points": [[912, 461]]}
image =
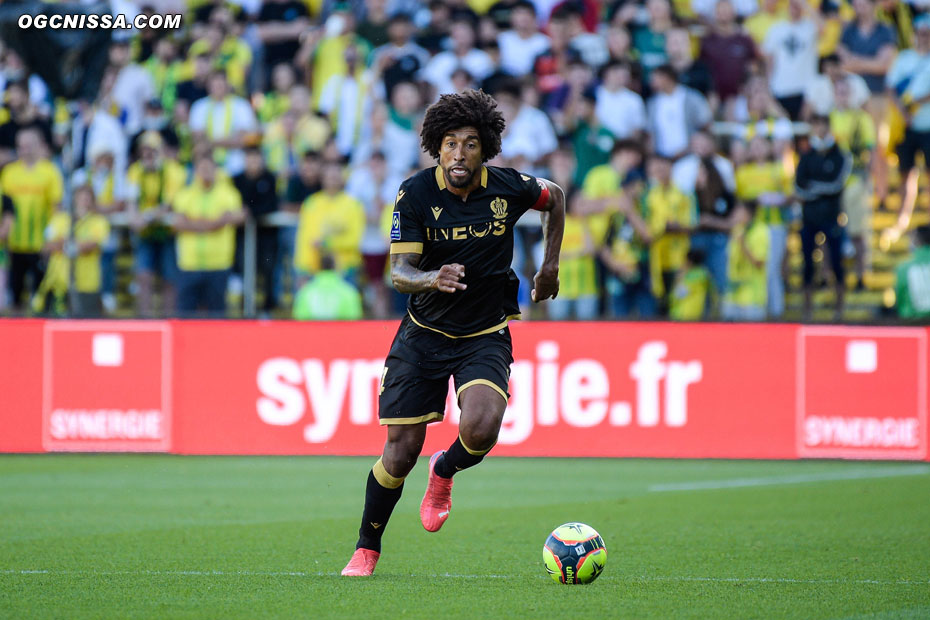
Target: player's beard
{"points": [[455, 181]]}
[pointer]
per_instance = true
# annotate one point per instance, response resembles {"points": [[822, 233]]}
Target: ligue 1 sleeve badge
{"points": [[395, 226]]}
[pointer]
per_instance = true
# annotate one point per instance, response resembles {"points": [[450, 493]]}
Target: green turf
{"points": [[241, 537]]}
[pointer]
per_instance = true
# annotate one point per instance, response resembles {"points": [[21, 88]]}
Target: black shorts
{"points": [[913, 142], [415, 380]]}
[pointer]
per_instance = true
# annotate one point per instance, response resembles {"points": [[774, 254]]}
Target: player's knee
{"points": [[480, 435], [482, 415], [402, 448]]}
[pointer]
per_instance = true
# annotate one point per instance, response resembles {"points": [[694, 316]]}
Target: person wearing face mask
{"points": [[155, 120], [821, 176]]}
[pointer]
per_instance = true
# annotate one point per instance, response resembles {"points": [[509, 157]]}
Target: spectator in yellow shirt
{"points": [[224, 120], [153, 182], [763, 179], [7, 214], [333, 221], [322, 51], [35, 186], [207, 212], [230, 54], [749, 250], [578, 290], [294, 133], [108, 184], [90, 233], [693, 290], [166, 70], [601, 189], [625, 254], [272, 105], [670, 217], [854, 130], [757, 25]]}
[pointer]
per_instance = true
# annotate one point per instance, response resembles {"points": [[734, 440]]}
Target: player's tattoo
{"points": [[408, 279]]}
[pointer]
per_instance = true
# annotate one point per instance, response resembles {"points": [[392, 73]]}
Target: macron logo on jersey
{"points": [[395, 226]]}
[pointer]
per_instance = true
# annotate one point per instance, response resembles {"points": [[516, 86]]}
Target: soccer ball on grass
{"points": [[574, 553]]}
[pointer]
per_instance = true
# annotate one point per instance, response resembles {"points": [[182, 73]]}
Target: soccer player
{"points": [[451, 249]]}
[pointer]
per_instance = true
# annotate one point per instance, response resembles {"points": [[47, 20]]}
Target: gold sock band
{"points": [[384, 478], [476, 452]]}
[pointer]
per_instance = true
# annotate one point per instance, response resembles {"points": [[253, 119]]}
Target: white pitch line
{"points": [[220, 573], [737, 483], [631, 578], [878, 582]]}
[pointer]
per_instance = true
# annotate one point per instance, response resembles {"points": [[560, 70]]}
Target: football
{"points": [[574, 553]]}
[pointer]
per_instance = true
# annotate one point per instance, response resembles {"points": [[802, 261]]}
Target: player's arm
{"points": [[552, 213], [407, 248], [408, 279]]}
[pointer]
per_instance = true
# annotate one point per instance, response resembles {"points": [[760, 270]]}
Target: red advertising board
{"points": [[862, 392], [577, 389], [21, 385], [279, 388], [106, 386], [607, 390]]}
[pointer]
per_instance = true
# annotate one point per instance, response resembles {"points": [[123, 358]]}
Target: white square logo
{"points": [[861, 356], [107, 350]]}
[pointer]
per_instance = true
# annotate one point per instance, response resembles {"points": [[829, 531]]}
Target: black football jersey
{"points": [[476, 233]]}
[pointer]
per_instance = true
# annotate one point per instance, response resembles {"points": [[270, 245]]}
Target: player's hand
{"points": [[545, 285], [448, 276]]}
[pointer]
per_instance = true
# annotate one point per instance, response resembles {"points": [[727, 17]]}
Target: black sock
{"points": [[457, 458], [379, 504]]}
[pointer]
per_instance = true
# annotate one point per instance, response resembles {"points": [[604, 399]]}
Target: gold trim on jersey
{"points": [[489, 330], [441, 178], [409, 247], [435, 416], [490, 384], [384, 478]]}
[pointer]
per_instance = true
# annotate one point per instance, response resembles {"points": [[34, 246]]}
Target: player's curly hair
{"points": [[471, 108]]}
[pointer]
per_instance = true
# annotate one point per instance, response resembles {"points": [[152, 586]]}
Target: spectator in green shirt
{"points": [[912, 284], [591, 141], [327, 296]]}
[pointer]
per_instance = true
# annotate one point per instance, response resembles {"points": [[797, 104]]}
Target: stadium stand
{"points": [[724, 91]]}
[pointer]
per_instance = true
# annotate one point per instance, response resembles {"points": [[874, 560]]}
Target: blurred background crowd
{"points": [[722, 159]]}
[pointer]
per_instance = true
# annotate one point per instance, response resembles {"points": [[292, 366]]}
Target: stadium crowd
{"points": [[695, 140]]}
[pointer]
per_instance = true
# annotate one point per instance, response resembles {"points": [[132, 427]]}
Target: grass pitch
{"points": [[242, 537]]}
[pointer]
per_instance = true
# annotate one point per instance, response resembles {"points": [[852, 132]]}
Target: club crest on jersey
{"points": [[395, 226], [499, 208]]}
